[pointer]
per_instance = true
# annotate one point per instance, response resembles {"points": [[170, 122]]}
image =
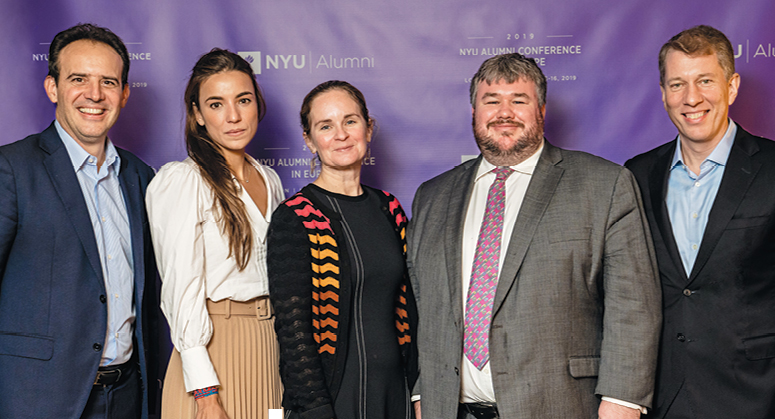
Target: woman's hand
{"points": [[209, 407]]}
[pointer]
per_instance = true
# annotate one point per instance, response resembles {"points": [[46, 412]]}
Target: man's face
{"points": [[88, 94], [697, 96], [508, 123]]}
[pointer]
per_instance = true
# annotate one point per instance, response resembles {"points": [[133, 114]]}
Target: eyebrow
{"points": [[699, 76], [329, 120], [84, 75], [499, 95], [245, 93]]}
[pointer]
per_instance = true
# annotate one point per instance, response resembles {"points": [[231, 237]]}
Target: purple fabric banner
{"points": [[412, 60]]}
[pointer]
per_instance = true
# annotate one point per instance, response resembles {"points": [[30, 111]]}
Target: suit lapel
{"points": [[460, 195], [658, 179], [738, 175], [539, 192], [130, 188], [65, 181]]}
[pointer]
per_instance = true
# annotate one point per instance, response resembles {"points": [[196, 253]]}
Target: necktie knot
{"points": [[502, 173]]}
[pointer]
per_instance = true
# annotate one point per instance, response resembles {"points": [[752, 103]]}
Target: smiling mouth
{"points": [[91, 111], [695, 115], [505, 123]]}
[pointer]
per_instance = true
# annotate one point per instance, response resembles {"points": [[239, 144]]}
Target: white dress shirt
{"points": [[476, 385], [193, 258]]}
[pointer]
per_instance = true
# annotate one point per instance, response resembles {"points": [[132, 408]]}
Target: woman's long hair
{"points": [[233, 217]]}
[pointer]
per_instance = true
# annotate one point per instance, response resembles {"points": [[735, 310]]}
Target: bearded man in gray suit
{"points": [[554, 303]]}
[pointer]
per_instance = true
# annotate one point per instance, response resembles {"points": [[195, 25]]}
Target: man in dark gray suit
{"points": [[562, 311]]}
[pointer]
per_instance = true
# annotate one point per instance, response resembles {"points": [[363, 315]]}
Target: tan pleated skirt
{"points": [[244, 352]]}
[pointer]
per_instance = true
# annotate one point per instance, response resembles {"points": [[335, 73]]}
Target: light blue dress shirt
{"points": [[110, 222], [690, 196]]}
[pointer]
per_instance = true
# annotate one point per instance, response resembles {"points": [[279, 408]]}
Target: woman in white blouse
{"points": [[209, 215]]}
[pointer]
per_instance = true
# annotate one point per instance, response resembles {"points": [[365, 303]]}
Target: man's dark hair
{"points": [[92, 33]]}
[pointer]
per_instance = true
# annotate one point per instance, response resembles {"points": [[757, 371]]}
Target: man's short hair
{"points": [[510, 68], [92, 33], [697, 41]]}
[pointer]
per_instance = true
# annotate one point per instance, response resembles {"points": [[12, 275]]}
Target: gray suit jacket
{"points": [[577, 307]]}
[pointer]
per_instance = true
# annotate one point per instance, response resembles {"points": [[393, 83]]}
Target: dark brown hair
{"points": [[325, 87], [234, 220], [92, 33]]}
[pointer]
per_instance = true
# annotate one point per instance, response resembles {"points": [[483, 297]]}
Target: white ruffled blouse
{"points": [[193, 258]]}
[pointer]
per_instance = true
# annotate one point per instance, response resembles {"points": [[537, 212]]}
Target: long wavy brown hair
{"points": [[233, 217]]}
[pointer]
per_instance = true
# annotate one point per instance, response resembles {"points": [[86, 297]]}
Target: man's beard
{"points": [[524, 147]]}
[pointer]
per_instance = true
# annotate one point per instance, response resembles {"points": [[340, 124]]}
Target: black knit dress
{"points": [[373, 383]]}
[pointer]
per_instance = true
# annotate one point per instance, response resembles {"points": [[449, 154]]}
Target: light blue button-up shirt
{"points": [[110, 222], [690, 196]]}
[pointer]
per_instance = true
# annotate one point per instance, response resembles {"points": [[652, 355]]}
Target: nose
{"points": [[693, 96], [233, 114], [340, 133], [94, 91], [505, 111]]}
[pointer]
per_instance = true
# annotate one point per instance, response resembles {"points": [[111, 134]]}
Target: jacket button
{"points": [[687, 292], [457, 371], [103, 299], [681, 337], [97, 347]]}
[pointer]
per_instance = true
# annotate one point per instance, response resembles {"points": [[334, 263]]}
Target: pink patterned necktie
{"points": [[484, 275]]}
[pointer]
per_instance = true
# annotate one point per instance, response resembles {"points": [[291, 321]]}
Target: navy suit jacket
{"points": [[717, 354], [53, 314]]}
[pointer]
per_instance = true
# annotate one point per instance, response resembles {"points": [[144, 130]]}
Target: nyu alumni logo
{"points": [[260, 62], [276, 61], [252, 57]]}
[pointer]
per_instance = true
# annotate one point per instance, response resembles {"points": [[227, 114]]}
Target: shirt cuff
{"points": [[198, 371], [626, 404]]}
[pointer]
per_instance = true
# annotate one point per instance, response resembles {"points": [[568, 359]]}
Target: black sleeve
{"points": [[289, 263]]}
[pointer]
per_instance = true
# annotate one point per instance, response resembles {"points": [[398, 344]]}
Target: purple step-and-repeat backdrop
{"points": [[413, 60]]}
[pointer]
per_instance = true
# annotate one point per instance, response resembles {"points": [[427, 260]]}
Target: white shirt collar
{"points": [[79, 156], [526, 167]]}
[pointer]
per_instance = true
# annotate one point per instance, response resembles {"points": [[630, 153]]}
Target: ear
{"points": [[199, 118], [734, 85], [543, 111], [50, 85], [309, 143], [124, 95], [664, 95], [369, 131]]}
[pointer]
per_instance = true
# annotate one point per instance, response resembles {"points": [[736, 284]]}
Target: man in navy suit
{"points": [[77, 278], [710, 199]]}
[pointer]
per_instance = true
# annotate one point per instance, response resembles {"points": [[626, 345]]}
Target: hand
{"points": [[610, 410], [209, 407], [417, 413]]}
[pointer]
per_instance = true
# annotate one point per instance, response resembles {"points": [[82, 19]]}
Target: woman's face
{"points": [[228, 109], [338, 132]]}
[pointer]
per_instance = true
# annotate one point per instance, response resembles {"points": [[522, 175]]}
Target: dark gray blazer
{"points": [[53, 311], [717, 354], [577, 307]]}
